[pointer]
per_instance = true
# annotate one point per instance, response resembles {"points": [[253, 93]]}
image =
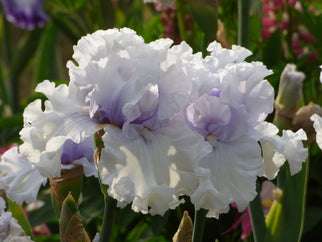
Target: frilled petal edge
{"points": [[19, 178], [228, 175], [147, 170]]}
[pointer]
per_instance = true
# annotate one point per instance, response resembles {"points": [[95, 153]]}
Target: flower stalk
{"points": [[108, 219], [199, 224], [257, 218], [109, 202]]}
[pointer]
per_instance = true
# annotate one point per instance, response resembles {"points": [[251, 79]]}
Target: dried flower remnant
{"points": [[302, 120]]}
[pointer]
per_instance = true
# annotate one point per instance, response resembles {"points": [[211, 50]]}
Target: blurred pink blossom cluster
{"points": [[170, 23], [278, 16]]}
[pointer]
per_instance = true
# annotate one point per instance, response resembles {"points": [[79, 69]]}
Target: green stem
{"points": [[243, 23], [199, 224], [108, 219], [180, 20], [306, 167], [257, 218], [110, 203]]}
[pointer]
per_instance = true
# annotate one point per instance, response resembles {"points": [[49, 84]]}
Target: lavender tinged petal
{"points": [[207, 115], [65, 117], [72, 151], [79, 154], [228, 175]]}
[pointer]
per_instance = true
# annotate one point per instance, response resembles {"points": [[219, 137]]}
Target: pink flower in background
{"points": [[41, 229], [170, 23], [277, 17], [244, 220], [4, 149]]}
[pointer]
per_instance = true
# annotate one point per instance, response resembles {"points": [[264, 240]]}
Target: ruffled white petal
{"points": [[152, 170], [138, 170], [276, 149], [101, 43], [220, 57], [294, 151], [228, 175], [20, 179], [89, 168], [117, 78], [317, 124], [272, 160], [10, 230], [244, 83], [65, 117], [186, 149]]}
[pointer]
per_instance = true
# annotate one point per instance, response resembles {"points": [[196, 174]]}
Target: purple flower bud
{"points": [[26, 14]]}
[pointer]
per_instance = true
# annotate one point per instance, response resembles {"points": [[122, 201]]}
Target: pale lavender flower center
{"points": [[208, 115], [147, 107]]}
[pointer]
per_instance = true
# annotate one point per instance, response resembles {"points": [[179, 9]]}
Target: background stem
{"points": [[180, 20], [243, 23]]}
